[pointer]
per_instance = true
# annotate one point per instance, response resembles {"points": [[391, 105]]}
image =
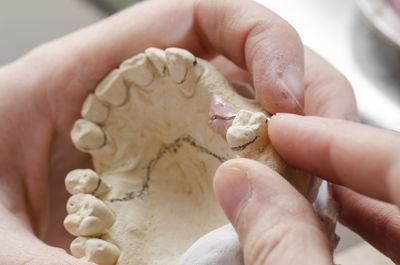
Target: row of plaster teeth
{"points": [[89, 217], [140, 71]]}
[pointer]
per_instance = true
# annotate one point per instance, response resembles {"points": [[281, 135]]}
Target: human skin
{"points": [[41, 95]]}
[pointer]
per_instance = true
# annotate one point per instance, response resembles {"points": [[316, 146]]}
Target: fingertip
{"points": [[267, 211], [232, 187], [281, 127]]}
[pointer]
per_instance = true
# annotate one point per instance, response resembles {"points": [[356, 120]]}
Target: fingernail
{"points": [[293, 84], [233, 190]]}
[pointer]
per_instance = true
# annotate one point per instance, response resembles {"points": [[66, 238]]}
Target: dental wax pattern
{"points": [[150, 195]]}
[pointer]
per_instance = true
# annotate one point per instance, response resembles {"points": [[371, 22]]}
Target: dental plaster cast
{"points": [[149, 199]]}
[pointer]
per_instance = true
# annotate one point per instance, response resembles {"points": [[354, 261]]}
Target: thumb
{"points": [[275, 223]]}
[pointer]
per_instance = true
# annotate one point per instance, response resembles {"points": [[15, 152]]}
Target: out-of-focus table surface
{"points": [[334, 28]]}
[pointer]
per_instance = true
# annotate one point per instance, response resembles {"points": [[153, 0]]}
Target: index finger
{"points": [[361, 157], [247, 33]]}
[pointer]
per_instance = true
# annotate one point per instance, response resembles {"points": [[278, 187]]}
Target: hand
{"points": [[278, 226], [41, 95], [360, 157]]}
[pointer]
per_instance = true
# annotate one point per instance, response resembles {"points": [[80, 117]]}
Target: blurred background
{"points": [[361, 38]]}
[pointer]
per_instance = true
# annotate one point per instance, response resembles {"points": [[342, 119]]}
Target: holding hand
{"points": [[41, 95], [277, 226]]}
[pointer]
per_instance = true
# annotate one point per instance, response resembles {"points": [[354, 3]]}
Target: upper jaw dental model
{"points": [[149, 199]]}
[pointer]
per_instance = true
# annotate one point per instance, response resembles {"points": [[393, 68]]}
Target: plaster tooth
{"points": [[87, 216], [157, 58], [113, 89], [95, 250], [87, 135], [248, 130], [138, 70], [78, 247], [183, 69], [93, 110], [85, 181]]}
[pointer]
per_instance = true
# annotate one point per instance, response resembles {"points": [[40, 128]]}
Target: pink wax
{"points": [[396, 5]]}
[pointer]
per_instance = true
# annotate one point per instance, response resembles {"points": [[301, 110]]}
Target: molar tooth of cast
{"points": [[85, 181], [95, 250], [113, 89], [139, 71], [93, 110], [78, 247], [246, 127], [258, 121], [87, 216], [242, 118], [184, 69], [239, 135], [87, 135], [157, 58]]}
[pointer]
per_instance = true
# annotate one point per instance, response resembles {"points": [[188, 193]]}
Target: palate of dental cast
{"points": [[150, 199]]}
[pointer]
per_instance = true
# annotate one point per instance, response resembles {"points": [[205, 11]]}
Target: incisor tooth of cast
{"points": [[93, 110], [87, 135], [157, 58], [184, 69], [113, 89], [179, 63], [95, 250], [138, 70], [85, 181], [87, 216]]}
